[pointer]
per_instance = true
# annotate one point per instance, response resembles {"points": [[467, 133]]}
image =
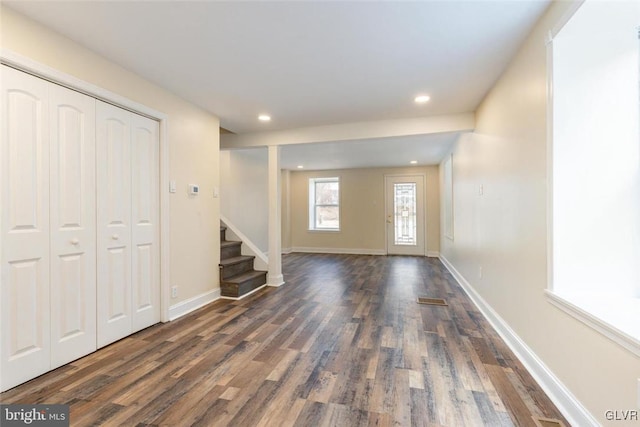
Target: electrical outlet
{"points": [[174, 291]]}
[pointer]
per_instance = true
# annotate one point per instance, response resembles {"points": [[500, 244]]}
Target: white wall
{"points": [[244, 193], [193, 136], [504, 232]]}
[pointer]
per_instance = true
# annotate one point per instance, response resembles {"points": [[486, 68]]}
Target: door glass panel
{"points": [[404, 207]]}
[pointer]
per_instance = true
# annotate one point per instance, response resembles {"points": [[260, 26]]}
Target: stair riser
{"points": [[230, 252], [237, 290], [223, 235], [235, 269]]}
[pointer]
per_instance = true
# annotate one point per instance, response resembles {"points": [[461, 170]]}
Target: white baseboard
{"points": [[566, 402], [341, 251], [245, 295], [286, 251], [275, 281], [194, 303], [433, 254]]}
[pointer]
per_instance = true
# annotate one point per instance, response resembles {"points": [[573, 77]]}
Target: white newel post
{"points": [[274, 277]]}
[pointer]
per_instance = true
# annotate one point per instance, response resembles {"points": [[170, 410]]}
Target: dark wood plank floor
{"points": [[342, 343]]}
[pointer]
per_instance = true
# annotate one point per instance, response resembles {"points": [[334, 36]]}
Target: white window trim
{"points": [[615, 332], [311, 227], [572, 305]]}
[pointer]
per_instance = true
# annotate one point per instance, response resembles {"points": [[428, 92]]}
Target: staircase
{"points": [[237, 276]]}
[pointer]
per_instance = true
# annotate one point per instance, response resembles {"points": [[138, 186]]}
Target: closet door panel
{"points": [[24, 228], [114, 222], [145, 222], [73, 225]]}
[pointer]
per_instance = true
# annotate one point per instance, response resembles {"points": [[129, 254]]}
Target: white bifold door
{"points": [[48, 282], [25, 305], [79, 230], [128, 229], [72, 219]]}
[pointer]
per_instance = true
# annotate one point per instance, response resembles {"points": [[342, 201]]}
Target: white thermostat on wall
{"points": [[194, 189]]}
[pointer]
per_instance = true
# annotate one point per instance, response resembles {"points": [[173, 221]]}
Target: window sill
{"points": [[328, 230], [615, 317]]}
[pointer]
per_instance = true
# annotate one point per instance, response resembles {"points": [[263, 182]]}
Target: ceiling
{"points": [[379, 152], [306, 63]]}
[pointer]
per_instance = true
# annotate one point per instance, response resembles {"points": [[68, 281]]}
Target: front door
{"points": [[405, 214]]}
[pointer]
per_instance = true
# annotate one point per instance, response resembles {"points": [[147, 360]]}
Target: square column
{"points": [[274, 276]]}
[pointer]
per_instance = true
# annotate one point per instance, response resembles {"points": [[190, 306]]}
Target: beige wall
{"points": [[244, 198], [504, 232], [285, 212], [193, 136], [362, 211]]}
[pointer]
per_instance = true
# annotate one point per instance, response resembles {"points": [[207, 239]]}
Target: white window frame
{"points": [[581, 308], [313, 205]]}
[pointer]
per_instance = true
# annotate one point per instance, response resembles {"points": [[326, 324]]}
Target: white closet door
{"points": [[113, 175], [24, 177], [145, 203], [73, 221]]}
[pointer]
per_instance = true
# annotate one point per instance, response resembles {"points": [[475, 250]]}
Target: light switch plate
{"points": [[172, 186]]}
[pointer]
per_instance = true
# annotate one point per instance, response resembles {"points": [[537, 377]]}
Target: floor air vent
{"points": [[548, 422], [431, 301]]}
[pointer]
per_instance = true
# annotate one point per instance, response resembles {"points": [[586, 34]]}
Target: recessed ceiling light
{"points": [[264, 118], [300, 167], [421, 99], [414, 162]]}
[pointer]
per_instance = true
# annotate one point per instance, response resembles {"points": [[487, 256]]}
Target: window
{"points": [[595, 169], [405, 213], [324, 204]]}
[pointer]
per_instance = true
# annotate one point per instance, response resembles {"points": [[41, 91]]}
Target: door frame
{"points": [[424, 207], [28, 65]]}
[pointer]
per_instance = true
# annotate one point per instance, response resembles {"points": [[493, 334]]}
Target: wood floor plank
{"points": [[283, 365], [343, 343], [512, 400], [312, 414], [192, 406], [343, 415], [284, 416], [323, 387]]}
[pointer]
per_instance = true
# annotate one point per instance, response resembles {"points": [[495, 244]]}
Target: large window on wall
{"points": [[324, 204], [595, 169]]}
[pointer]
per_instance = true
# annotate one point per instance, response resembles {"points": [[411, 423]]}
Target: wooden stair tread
{"points": [[245, 276], [227, 243], [235, 260], [237, 275]]}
